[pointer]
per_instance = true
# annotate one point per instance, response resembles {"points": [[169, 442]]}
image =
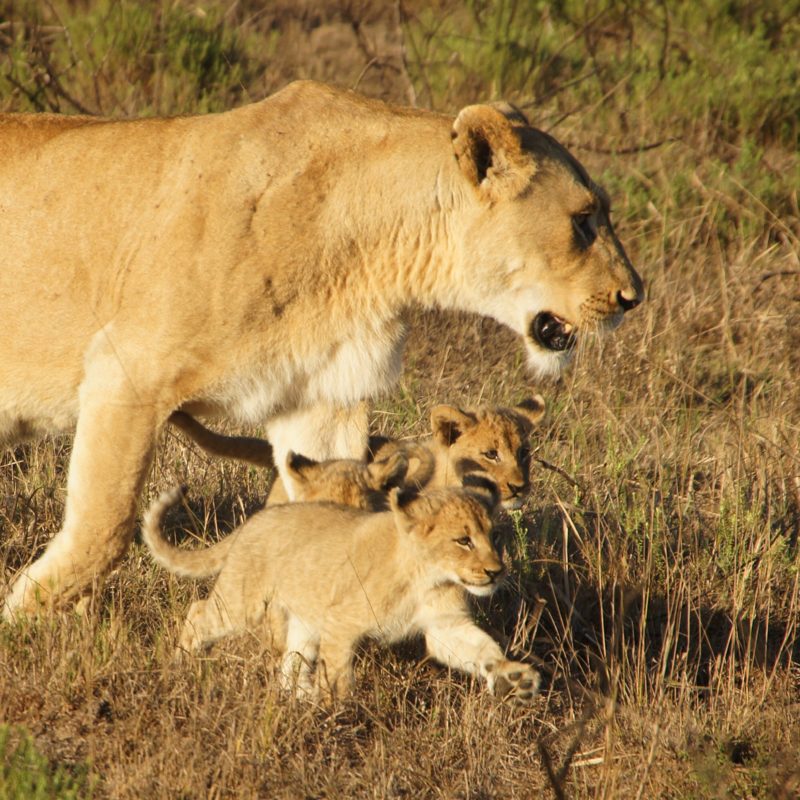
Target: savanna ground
{"points": [[656, 565]]}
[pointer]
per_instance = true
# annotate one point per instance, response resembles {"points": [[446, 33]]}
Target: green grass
{"points": [[25, 774]]}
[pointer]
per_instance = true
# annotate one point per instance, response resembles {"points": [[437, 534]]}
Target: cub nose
{"points": [[494, 574], [629, 299], [516, 489]]}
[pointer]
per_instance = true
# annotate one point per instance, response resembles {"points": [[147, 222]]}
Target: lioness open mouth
{"points": [[552, 332]]}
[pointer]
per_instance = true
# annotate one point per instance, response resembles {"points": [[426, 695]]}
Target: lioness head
{"points": [[491, 440], [345, 481], [552, 266], [453, 529]]}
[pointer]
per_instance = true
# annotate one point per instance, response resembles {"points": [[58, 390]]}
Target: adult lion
{"points": [[256, 264]]}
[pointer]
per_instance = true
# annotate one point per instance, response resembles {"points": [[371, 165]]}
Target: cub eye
{"points": [[465, 541], [492, 455], [585, 232]]}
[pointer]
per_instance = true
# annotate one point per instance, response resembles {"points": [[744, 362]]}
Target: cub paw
{"points": [[514, 681]]}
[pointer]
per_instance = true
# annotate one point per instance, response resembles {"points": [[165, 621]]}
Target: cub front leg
{"points": [[513, 680], [111, 455], [453, 638]]}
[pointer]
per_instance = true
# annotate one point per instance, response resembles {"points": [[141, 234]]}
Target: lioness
{"points": [[256, 264], [336, 575], [492, 439]]}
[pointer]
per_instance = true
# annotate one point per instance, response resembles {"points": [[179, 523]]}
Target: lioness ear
{"points": [[390, 472], [489, 152], [514, 114], [297, 465], [449, 422], [532, 408]]}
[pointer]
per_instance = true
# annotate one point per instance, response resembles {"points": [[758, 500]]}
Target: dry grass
{"points": [[657, 563]]}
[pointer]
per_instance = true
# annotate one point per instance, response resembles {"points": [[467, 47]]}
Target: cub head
{"points": [[452, 529], [538, 248], [346, 481], [491, 440]]}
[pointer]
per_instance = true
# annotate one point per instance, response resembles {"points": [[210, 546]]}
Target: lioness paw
{"points": [[512, 680]]}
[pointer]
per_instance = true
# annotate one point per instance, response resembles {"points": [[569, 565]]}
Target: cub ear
{"points": [[489, 153], [399, 499], [484, 488], [375, 444], [532, 409], [390, 472], [298, 465], [449, 422]]}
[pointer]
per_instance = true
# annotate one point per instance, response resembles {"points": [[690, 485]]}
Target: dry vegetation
{"points": [[657, 562]]}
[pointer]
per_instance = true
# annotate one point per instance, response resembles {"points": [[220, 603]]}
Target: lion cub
{"points": [[490, 439], [344, 481], [337, 575]]}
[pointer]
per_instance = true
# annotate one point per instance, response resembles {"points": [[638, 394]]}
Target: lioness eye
{"points": [[465, 541], [585, 232], [492, 455]]}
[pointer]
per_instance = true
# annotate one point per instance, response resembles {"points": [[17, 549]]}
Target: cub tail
{"points": [[186, 563]]}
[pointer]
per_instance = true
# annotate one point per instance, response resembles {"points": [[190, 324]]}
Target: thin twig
{"points": [[567, 477], [624, 151]]}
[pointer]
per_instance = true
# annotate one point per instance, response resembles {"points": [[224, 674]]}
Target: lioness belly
{"points": [[361, 365]]}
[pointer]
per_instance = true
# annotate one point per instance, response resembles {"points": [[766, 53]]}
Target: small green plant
{"points": [[25, 774]]}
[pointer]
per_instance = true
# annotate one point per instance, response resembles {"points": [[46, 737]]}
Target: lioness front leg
{"points": [[111, 455], [453, 638]]}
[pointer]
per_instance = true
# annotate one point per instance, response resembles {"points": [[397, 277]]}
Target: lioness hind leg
{"points": [[111, 455]]}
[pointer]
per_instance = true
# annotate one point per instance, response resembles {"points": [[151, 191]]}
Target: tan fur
{"points": [[488, 439], [256, 265], [336, 575], [343, 481]]}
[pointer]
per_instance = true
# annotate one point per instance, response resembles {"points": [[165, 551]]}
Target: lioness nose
{"points": [[628, 302]]}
